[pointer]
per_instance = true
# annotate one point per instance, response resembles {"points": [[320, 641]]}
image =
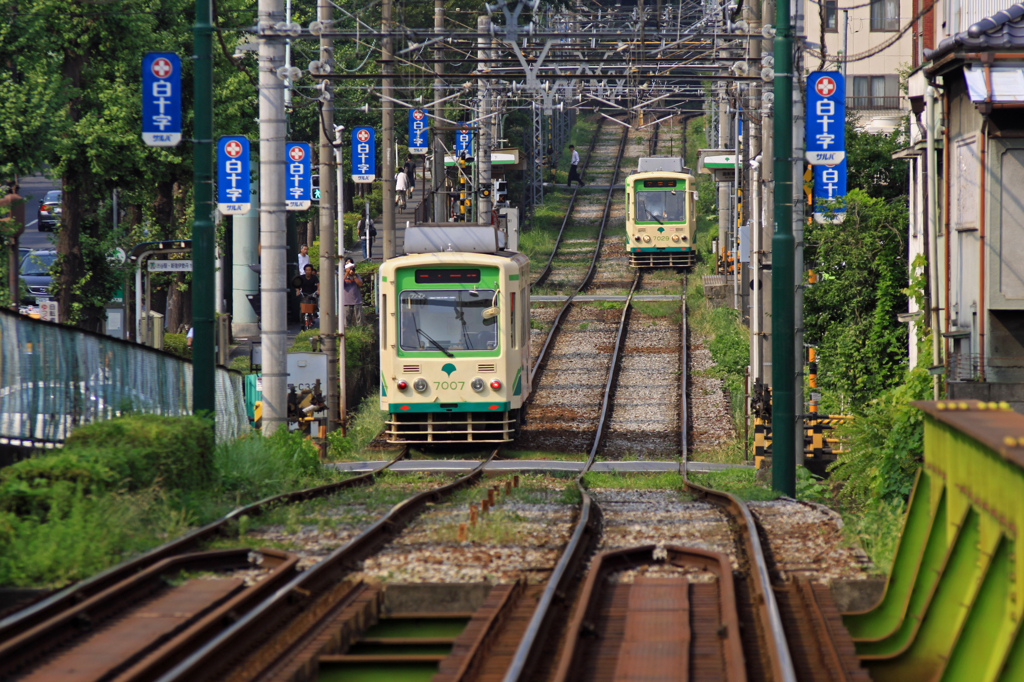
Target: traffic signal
{"points": [[316, 188]]}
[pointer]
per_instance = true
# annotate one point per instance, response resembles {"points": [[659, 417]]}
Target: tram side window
{"points": [[512, 319], [661, 206]]}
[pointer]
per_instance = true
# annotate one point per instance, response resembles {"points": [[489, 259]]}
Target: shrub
{"points": [[255, 466], [178, 344]]}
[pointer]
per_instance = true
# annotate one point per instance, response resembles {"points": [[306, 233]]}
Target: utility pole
{"points": [[204, 398], [799, 202], [328, 259], [767, 228], [483, 159], [388, 132], [437, 171], [339, 159], [273, 249], [753, 107], [783, 246]]}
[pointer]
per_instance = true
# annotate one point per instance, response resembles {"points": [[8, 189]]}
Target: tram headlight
{"points": [[637, 237], [420, 385], [675, 237], [403, 384], [495, 384], [647, 239], [477, 384]]}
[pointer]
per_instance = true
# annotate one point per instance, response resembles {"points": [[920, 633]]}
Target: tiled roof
{"points": [[1002, 30]]}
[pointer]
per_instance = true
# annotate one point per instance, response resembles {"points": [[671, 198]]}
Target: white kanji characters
{"points": [[829, 178]]}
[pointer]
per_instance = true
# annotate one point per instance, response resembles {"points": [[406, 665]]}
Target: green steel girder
{"points": [[951, 610]]}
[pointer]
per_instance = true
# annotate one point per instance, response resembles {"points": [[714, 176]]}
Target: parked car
{"points": [[49, 210], [35, 273]]}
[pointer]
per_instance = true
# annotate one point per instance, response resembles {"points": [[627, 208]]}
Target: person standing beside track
{"points": [[574, 163]]}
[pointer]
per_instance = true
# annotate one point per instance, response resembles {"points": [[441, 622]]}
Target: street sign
{"points": [[464, 141], [233, 183], [169, 265], [418, 127], [161, 99], [364, 155], [829, 185], [298, 195], [826, 118]]}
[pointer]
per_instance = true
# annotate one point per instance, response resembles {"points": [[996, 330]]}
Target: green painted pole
{"points": [[783, 248], [203, 366]]}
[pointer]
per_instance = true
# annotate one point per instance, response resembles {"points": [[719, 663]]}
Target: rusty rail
{"points": [[48, 608], [763, 597], [318, 590], [72, 632], [542, 277]]}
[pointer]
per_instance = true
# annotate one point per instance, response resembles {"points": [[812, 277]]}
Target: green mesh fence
{"points": [[54, 378]]}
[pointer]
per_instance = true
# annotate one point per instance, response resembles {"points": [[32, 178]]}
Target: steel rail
{"points": [[21, 654], [49, 607], [765, 603], [590, 272], [568, 211], [253, 630], [533, 641]]}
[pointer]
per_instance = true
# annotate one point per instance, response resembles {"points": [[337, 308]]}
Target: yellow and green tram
{"points": [[660, 217], [454, 338]]}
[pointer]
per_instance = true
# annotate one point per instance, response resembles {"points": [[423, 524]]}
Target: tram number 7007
{"points": [[450, 385]]}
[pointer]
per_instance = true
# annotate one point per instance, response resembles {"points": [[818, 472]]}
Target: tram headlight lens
{"points": [[477, 384], [637, 237], [647, 239], [420, 385], [675, 237], [495, 384], [403, 384]]}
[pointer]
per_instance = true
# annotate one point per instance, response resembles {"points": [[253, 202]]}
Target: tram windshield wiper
{"points": [[655, 218], [436, 344]]}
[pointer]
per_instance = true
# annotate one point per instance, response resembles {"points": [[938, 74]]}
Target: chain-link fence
{"points": [[54, 378]]}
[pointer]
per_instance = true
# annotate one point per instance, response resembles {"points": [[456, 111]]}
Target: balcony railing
{"points": [[873, 103]]}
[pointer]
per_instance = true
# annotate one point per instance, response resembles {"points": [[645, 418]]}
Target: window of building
{"points": [[831, 18], [874, 92], [885, 15]]}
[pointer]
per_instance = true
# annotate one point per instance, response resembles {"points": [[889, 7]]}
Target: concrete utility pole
{"points": [[204, 398], [799, 202], [725, 140], [273, 249], [783, 246], [752, 14], [328, 274], [483, 159], [767, 229], [437, 167], [388, 132]]}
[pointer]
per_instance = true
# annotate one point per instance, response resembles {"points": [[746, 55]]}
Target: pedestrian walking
{"points": [[410, 173], [353, 295], [401, 187], [574, 163], [303, 257]]}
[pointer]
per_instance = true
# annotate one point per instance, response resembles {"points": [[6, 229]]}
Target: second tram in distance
{"points": [[661, 214]]}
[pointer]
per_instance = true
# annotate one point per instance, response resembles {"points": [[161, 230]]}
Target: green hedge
{"points": [[124, 454]]}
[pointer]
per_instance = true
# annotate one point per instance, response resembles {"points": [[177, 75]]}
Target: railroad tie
{"points": [[656, 641]]}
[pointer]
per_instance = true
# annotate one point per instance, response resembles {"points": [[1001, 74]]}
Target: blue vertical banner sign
{"points": [[299, 192], [418, 127], [464, 140], [233, 184], [826, 143], [364, 155], [161, 99]]}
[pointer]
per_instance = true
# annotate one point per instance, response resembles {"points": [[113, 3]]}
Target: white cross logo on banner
{"points": [[363, 135], [418, 115], [161, 68], [233, 149], [825, 86], [297, 154]]}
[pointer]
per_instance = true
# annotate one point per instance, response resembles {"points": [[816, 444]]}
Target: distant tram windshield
{"points": [[448, 276], [661, 207]]}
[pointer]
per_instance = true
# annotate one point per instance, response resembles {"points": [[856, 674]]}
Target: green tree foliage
{"points": [[870, 166], [850, 314]]}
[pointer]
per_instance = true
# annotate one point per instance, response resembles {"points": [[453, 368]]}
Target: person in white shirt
{"points": [[401, 187], [303, 257], [574, 163]]}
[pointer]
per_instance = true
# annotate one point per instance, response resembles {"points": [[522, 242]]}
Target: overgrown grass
{"points": [[539, 454], [666, 309], [123, 486], [740, 482], [669, 480], [364, 424]]}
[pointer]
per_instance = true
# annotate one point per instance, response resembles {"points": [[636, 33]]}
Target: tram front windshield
{"points": [[447, 320], [666, 207]]}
